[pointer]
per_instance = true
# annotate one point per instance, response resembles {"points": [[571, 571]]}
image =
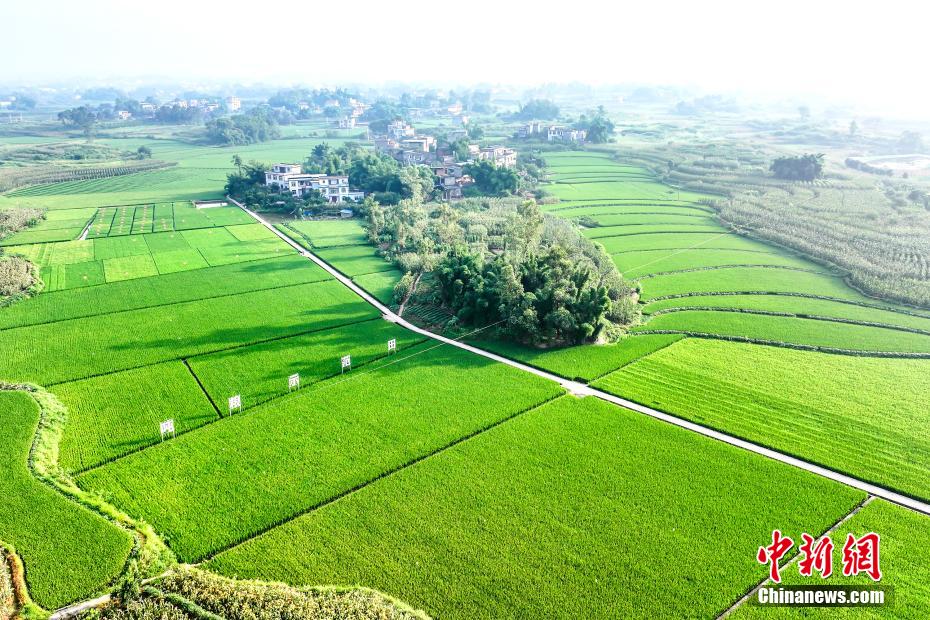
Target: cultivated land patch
{"points": [[69, 552], [259, 372], [748, 280], [647, 262], [355, 260], [800, 306], [118, 413], [568, 489], [162, 290], [791, 330], [326, 233], [79, 348], [869, 419], [269, 464]]}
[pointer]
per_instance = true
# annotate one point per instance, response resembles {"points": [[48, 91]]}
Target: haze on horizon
{"points": [[834, 51]]}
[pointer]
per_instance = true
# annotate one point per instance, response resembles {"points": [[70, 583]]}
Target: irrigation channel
{"points": [[580, 389]]}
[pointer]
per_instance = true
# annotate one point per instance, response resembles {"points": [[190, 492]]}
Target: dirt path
{"points": [[580, 389]]}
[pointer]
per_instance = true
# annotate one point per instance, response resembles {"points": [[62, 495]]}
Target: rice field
{"points": [[118, 413], [569, 489], [85, 551], [78, 348], [327, 233], [868, 420], [271, 463]]}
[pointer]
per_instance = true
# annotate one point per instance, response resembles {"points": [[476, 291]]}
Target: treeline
{"points": [[858, 164], [808, 167], [502, 264]]}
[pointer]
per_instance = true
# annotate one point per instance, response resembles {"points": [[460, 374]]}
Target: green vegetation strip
{"points": [[69, 552], [826, 335], [747, 279], [163, 290], [57, 352], [605, 498], [258, 469], [868, 420]]}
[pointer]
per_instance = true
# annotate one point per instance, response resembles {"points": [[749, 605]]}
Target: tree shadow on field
{"points": [[290, 324]]}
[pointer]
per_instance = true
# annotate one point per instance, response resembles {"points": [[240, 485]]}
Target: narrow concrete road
{"points": [[580, 389]]}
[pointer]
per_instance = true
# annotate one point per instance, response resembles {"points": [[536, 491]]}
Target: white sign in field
{"points": [[392, 345], [166, 428], [346, 362], [235, 403], [293, 382]]}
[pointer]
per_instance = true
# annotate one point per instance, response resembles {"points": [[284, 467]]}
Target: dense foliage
{"points": [[501, 262], [597, 124], [537, 109], [256, 125], [492, 180], [799, 168], [253, 600]]}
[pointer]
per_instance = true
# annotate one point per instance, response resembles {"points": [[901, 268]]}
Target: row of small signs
{"points": [[166, 428]]}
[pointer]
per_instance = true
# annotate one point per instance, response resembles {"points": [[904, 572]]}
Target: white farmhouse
{"points": [[334, 188]]}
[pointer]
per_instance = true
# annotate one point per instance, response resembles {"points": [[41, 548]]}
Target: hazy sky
{"points": [[868, 52]]}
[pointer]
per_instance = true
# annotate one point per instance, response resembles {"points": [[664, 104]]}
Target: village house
{"points": [[450, 179], [233, 104], [500, 156], [419, 143], [400, 130], [454, 135], [334, 188], [347, 122], [564, 134], [123, 115], [455, 109], [148, 108]]}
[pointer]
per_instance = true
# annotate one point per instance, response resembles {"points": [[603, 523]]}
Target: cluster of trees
{"points": [[375, 173], [858, 164], [20, 102], [502, 263], [807, 167], [382, 113], [254, 126], [537, 109], [600, 129], [492, 180], [86, 117]]}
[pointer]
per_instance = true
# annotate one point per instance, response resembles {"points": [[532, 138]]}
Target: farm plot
{"points": [[679, 241], [122, 221], [69, 552], [129, 267], [179, 260], [118, 413], [355, 260], [577, 488], [75, 349], [380, 284], [869, 420], [163, 217], [798, 306], [649, 262], [285, 457], [163, 290], [120, 247], [748, 280], [793, 330], [634, 220], [905, 538], [327, 233], [259, 372], [102, 222], [586, 362], [642, 229], [626, 209], [143, 219], [57, 226]]}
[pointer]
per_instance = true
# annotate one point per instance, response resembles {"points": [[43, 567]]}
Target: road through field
{"points": [[580, 389]]}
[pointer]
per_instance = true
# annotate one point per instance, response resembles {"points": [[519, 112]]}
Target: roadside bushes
{"points": [[255, 600]]}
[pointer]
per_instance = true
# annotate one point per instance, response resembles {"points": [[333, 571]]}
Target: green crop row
{"points": [[792, 330]]}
